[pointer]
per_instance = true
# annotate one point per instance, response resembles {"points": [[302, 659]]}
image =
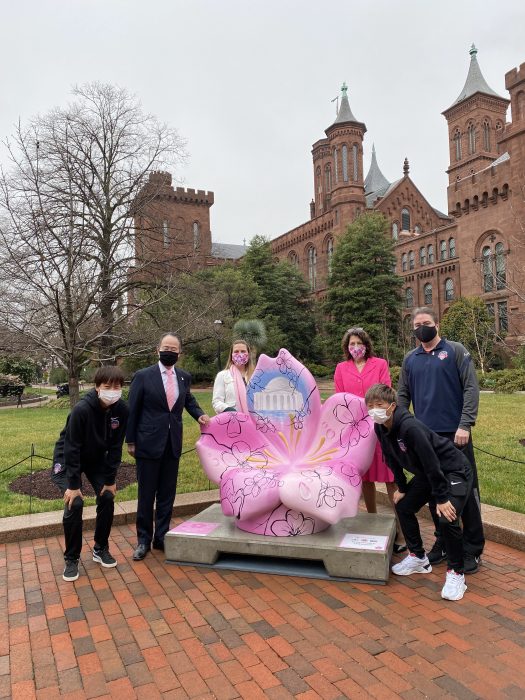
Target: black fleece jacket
{"points": [[92, 439], [410, 445]]}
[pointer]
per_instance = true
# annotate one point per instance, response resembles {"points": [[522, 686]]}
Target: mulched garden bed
{"points": [[44, 488]]}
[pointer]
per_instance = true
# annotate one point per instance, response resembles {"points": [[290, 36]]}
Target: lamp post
{"points": [[218, 325]]}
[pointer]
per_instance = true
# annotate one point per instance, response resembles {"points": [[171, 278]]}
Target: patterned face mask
{"points": [[240, 359], [357, 351]]}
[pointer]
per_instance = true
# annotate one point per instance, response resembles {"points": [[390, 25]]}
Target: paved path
{"points": [[149, 630]]}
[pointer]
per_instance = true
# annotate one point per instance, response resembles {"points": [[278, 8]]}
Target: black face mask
{"points": [[168, 357], [426, 333]]}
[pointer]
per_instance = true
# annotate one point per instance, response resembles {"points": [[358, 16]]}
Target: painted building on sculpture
{"points": [[476, 249]]}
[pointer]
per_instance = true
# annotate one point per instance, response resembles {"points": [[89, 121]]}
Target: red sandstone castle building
{"points": [[477, 249]]}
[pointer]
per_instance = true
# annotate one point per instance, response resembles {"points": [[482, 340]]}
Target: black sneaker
{"points": [[471, 563], [437, 554], [70, 570], [104, 557]]}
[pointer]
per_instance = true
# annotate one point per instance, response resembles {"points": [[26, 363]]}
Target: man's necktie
{"points": [[170, 387]]}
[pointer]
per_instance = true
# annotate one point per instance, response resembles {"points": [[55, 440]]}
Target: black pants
{"points": [[157, 480], [473, 535], [417, 494], [72, 518]]}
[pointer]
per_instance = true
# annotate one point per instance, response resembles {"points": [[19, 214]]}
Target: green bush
{"points": [[58, 375], [504, 381], [394, 373], [319, 370], [201, 372]]}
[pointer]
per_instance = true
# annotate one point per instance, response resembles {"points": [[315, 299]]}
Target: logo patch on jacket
{"points": [[57, 468], [443, 355], [114, 423], [402, 445]]}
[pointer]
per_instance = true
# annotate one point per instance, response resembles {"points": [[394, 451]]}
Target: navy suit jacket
{"points": [[150, 422]]}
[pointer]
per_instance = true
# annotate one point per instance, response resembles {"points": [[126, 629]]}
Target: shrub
{"points": [[394, 374], [504, 381], [319, 370]]}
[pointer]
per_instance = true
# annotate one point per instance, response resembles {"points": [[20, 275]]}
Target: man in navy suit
{"points": [[154, 435]]}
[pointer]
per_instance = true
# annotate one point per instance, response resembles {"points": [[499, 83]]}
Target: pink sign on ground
{"points": [[192, 527]]}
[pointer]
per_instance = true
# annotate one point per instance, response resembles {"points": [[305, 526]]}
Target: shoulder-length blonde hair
{"points": [[250, 367]]}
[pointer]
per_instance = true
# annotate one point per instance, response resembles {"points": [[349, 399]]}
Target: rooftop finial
{"points": [[344, 89], [406, 167], [473, 51], [373, 149]]}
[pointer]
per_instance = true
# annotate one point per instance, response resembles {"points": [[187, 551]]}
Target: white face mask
{"points": [[378, 415], [110, 396]]}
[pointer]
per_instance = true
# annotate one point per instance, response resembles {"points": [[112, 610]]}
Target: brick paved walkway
{"points": [[148, 630]]}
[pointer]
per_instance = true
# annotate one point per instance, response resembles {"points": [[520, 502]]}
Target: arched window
{"points": [[328, 179], [451, 248], [486, 135], [330, 253], [443, 250], [165, 234], [503, 317], [427, 294], [196, 235], [457, 144], [336, 166], [405, 220], [422, 255], [488, 282], [520, 105], [355, 162], [319, 183], [344, 150], [411, 260], [395, 230], [471, 133], [293, 258], [417, 228], [404, 263], [312, 267], [501, 275], [409, 297], [449, 289], [430, 254]]}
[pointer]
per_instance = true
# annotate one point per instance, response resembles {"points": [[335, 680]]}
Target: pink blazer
{"points": [[347, 378]]}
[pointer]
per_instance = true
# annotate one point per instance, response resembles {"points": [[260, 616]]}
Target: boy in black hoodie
{"points": [[442, 474], [91, 442]]}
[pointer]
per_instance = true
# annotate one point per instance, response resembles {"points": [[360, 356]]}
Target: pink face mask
{"points": [[240, 359], [357, 351]]}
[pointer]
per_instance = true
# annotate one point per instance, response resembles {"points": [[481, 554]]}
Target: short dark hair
{"points": [[380, 392], [109, 374], [362, 335], [173, 335], [423, 310]]}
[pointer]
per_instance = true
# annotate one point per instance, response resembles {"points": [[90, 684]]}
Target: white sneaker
{"points": [[412, 565], [454, 587]]}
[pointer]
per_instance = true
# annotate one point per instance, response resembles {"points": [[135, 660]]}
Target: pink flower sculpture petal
{"points": [[291, 466]]}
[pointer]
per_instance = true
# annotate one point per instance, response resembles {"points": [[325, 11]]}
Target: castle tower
{"points": [[344, 155], [476, 120]]}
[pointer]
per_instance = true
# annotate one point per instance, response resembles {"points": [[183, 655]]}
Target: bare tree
{"points": [[70, 279]]}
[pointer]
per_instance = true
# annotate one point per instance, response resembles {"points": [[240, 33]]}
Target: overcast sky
{"points": [[250, 84]]}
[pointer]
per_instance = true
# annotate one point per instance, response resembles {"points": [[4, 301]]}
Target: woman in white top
{"points": [[229, 389]]}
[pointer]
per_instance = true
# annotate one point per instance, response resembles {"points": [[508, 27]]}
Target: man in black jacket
{"points": [[441, 472], [91, 442], [157, 396]]}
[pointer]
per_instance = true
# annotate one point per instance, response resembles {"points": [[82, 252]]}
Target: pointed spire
{"points": [[475, 81], [406, 168], [375, 180], [345, 113]]}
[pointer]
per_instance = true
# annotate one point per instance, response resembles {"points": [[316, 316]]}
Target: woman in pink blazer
{"points": [[356, 375]]}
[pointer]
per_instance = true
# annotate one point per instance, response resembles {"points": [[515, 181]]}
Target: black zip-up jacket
{"points": [[92, 439], [410, 445]]}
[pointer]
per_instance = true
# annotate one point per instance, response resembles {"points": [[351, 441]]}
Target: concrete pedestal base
{"points": [[319, 556]]}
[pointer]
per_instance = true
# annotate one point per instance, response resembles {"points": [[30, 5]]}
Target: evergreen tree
{"points": [[286, 307], [363, 289]]}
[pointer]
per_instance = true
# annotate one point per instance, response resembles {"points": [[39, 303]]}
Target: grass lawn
{"points": [[498, 430]]}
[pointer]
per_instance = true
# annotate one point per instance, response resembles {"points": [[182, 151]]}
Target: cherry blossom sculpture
{"points": [[291, 466]]}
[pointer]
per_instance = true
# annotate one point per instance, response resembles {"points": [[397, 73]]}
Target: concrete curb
{"points": [[501, 526]]}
